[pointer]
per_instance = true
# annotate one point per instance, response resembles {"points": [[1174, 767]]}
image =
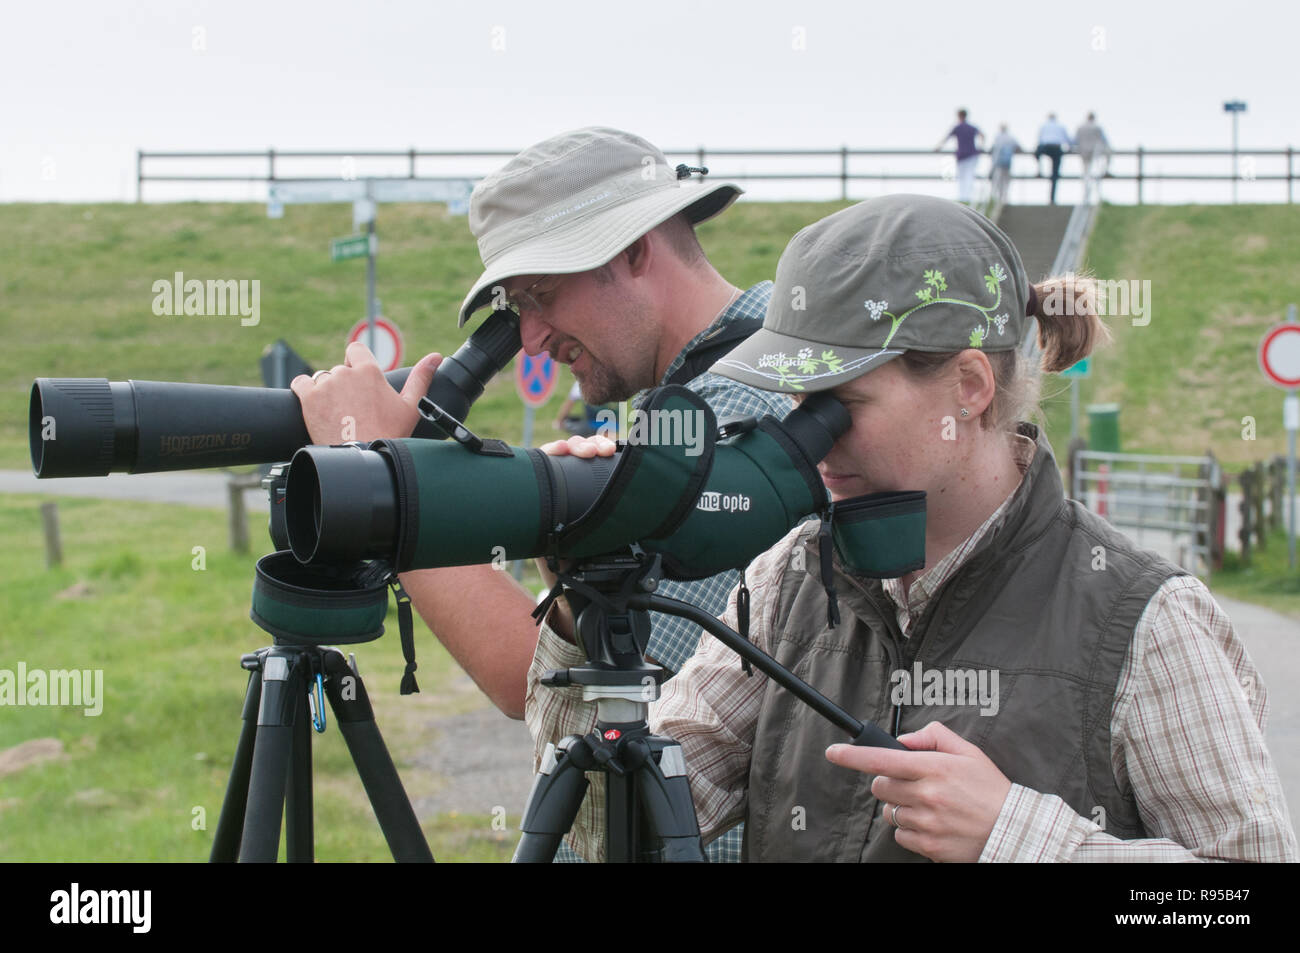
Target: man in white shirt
{"points": [[1053, 142]]}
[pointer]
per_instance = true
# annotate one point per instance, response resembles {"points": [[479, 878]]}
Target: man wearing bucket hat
{"points": [[1063, 687], [590, 236]]}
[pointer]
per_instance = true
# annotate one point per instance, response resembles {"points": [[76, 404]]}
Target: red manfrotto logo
{"points": [[613, 734]]}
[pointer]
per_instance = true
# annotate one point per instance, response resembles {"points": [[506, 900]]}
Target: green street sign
{"points": [[1079, 369], [354, 246]]}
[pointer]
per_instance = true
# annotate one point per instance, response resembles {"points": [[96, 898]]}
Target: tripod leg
{"points": [[553, 802], [664, 794], [356, 720], [283, 686], [230, 828], [299, 830], [622, 819]]}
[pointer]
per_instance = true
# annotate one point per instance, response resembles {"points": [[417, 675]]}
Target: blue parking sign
{"points": [[535, 378]]}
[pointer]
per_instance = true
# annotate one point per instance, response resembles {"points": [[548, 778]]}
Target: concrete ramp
{"points": [[1037, 231]]}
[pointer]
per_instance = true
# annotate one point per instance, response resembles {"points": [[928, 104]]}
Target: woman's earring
{"points": [[965, 412]]}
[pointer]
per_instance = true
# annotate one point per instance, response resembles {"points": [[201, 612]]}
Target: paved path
{"points": [[483, 760], [201, 488], [1273, 641]]}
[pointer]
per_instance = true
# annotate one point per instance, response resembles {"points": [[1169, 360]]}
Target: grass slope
{"points": [[76, 300], [76, 296], [1221, 276]]}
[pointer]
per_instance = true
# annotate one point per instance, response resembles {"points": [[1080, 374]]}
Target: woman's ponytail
{"points": [[1069, 328]]}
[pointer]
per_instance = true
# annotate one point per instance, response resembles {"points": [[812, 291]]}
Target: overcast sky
{"points": [[84, 84]]}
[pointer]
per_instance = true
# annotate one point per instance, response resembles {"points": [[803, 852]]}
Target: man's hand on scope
{"points": [[353, 400], [585, 447], [561, 620]]}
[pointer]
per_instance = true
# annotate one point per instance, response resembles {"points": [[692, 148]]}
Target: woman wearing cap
{"points": [[1073, 698]]}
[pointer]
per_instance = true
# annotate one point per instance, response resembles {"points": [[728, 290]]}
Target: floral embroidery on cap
{"points": [[932, 293], [789, 372], [935, 280]]}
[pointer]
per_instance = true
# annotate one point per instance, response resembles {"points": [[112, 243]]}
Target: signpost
{"points": [[383, 338], [1075, 372], [1236, 107], [453, 192], [534, 381], [365, 195], [362, 246], [1279, 359], [354, 246]]}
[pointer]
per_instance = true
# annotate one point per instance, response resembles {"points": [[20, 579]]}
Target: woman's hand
{"points": [[947, 792]]}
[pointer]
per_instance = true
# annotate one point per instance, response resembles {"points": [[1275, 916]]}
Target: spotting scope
{"points": [[707, 505], [93, 426]]}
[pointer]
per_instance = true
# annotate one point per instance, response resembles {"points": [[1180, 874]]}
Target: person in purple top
{"points": [[970, 143]]}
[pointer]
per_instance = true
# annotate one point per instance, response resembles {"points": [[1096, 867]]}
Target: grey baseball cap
{"points": [[573, 202], [888, 275]]}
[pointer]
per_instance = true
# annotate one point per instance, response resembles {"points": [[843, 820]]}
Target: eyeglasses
{"points": [[532, 298]]}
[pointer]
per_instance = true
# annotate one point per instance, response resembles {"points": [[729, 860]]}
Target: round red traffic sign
{"points": [[535, 378], [1279, 355], [388, 341]]}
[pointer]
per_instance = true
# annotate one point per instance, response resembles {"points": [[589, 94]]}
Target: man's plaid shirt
{"points": [[673, 639]]}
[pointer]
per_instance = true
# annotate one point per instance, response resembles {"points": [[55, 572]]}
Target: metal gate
{"points": [[1173, 505]]}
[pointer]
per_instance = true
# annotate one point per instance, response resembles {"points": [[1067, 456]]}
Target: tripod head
{"points": [[611, 600], [612, 633]]}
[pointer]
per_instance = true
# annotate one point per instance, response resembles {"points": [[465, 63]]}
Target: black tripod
{"points": [[273, 758], [649, 814]]}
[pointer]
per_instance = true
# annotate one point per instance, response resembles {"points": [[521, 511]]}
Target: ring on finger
{"points": [[893, 816], [316, 376]]}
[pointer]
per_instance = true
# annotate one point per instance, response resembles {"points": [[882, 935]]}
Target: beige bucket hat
{"points": [[574, 201]]}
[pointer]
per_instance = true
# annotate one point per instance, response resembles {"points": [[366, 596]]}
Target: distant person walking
{"points": [[1093, 148], [591, 421], [970, 142], [1053, 142], [1002, 150]]}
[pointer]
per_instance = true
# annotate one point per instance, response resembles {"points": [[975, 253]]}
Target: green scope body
{"points": [[423, 504]]}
